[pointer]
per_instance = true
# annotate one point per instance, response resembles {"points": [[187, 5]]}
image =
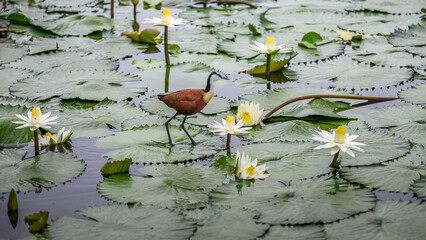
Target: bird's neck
{"points": [[207, 96]]}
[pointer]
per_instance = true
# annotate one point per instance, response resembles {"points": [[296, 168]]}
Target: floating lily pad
{"points": [[419, 187], [378, 51], [63, 61], [10, 136], [154, 105], [194, 40], [412, 131], [121, 221], [182, 76], [379, 147], [85, 85], [249, 82], [411, 39], [76, 25], [185, 186], [143, 145], [347, 73], [226, 223], [414, 95], [65, 3], [96, 121], [395, 116], [10, 52], [404, 6], [390, 220], [46, 170], [282, 131], [396, 176], [13, 75], [293, 233], [325, 107], [309, 201]]}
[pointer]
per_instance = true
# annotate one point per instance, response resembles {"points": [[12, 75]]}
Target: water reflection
{"points": [[13, 218]]}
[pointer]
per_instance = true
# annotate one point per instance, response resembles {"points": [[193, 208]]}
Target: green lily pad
{"points": [[378, 51], [10, 135], [185, 186], [194, 40], [120, 166], [13, 75], [308, 201], [293, 233], [414, 95], [396, 176], [10, 52], [143, 145], [282, 131], [390, 220], [405, 6], [65, 3], [419, 187], [396, 116], [182, 76], [226, 223], [250, 82], [63, 61], [347, 73], [412, 131], [121, 221], [413, 37], [325, 107], [379, 147], [46, 170], [76, 25], [95, 121], [85, 85]]}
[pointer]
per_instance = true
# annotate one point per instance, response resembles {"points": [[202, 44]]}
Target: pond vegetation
{"points": [[325, 99]]}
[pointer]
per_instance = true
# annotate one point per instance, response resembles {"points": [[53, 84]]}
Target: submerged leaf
{"points": [[37, 221]]}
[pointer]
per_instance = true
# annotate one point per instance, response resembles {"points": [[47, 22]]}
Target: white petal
{"points": [[350, 153], [334, 150], [327, 145]]}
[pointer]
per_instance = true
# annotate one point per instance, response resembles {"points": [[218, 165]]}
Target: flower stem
{"points": [[134, 11], [4, 4], [333, 163], [326, 96], [268, 65], [166, 79], [166, 45], [112, 8], [228, 141], [36, 143]]}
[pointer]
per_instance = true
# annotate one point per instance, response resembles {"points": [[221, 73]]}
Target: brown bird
{"points": [[189, 102]]}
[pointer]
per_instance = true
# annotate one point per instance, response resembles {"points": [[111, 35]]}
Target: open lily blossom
{"points": [[35, 119], [338, 140], [270, 48], [247, 169], [61, 137], [249, 113], [228, 126], [165, 20]]}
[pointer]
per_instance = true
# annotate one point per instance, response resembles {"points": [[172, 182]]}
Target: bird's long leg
{"points": [[167, 128], [183, 127]]}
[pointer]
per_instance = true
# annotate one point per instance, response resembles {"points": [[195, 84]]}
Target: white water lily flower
{"points": [[165, 20], [44, 140], [247, 169], [250, 113], [269, 48], [228, 127], [35, 119], [338, 140], [61, 137]]}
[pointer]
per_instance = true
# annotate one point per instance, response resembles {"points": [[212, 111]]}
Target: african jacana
{"points": [[190, 101]]}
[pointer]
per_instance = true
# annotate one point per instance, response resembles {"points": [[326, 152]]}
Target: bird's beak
{"points": [[224, 76]]}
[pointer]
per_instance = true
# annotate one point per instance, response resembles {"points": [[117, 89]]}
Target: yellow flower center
{"points": [[35, 115], [270, 43], [250, 170], [230, 121], [166, 16], [340, 136], [246, 118], [51, 136]]}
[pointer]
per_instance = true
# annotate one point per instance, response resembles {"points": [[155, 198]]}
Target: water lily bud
{"points": [[12, 204], [135, 2]]}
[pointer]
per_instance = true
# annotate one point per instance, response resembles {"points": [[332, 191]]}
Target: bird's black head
{"points": [[209, 84]]}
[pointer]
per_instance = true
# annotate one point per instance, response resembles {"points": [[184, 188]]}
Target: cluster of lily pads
{"points": [[272, 181]]}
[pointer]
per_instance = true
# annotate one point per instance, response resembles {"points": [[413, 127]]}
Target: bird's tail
{"points": [[160, 96]]}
